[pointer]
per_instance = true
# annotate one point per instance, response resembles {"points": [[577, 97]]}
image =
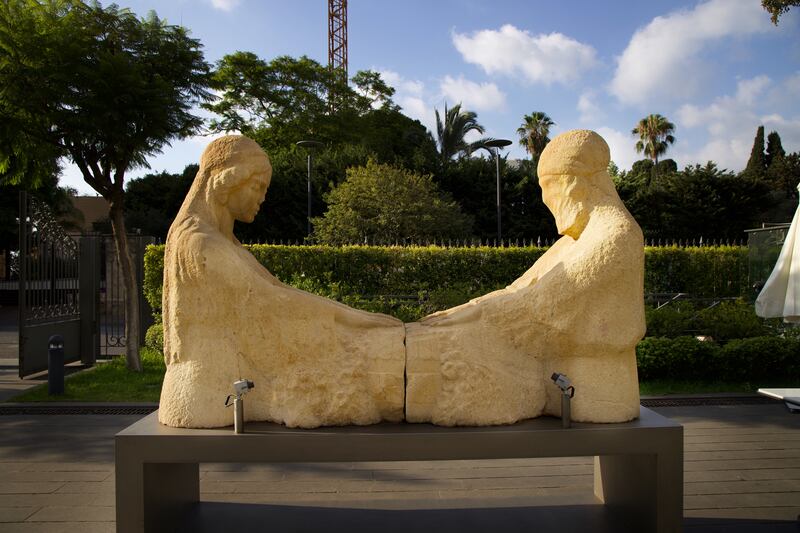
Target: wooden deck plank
{"points": [[741, 475]]}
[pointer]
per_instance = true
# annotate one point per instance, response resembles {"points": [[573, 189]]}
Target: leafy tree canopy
{"points": [[756, 164], [102, 87], [655, 136], [451, 130], [776, 8], [534, 131], [391, 204]]}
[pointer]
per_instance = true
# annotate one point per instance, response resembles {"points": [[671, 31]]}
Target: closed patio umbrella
{"points": [[780, 296]]}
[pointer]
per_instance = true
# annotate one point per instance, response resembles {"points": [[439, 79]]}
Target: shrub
{"points": [[767, 359], [154, 338], [730, 319], [679, 358], [391, 277], [759, 358]]}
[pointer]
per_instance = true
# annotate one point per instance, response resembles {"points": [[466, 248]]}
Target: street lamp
{"points": [[309, 145], [497, 144]]}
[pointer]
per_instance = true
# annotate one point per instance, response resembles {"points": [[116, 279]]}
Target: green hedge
{"points": [[410, 282], [765, 359], [730, 319]]}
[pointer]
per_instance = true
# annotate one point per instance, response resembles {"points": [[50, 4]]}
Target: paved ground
{"points": [[742, 473]]}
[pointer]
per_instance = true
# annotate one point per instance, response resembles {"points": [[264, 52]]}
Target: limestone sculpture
{"points": [[578, 310], [314, 361]]}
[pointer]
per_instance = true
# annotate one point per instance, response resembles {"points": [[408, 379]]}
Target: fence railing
{"points": [[510, 243]]}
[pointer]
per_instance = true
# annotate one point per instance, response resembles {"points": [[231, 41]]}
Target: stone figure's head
{"points": [[573, 175], [235, 173]]}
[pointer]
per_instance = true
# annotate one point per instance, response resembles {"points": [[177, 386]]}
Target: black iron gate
{"points": [[112, 295], [55, 292]]}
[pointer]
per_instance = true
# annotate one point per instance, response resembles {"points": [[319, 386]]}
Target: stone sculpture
{"points": [[578, 310], [314, 361]]}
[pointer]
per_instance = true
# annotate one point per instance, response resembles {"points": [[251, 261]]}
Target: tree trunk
{"points": [[129, 280]]}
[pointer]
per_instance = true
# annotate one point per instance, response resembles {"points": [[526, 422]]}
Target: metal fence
{"points": [[511, 243], [49, 285]]}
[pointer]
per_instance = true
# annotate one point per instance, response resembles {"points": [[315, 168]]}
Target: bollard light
{"points": [[55, 365]]}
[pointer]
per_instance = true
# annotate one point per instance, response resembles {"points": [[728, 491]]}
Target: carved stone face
{"points": [[245, 199], [563, 195]]}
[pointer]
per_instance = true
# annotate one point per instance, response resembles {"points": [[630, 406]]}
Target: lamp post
{"points": [[309, 145], [496, 144]]}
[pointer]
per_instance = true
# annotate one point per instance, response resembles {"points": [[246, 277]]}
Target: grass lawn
{"points": [[112, 382], [108, 382]]}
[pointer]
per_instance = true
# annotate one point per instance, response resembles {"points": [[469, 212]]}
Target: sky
{"points": [[717, 69]]}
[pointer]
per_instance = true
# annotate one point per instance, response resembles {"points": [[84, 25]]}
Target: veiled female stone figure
{"points": [[314, 361]]}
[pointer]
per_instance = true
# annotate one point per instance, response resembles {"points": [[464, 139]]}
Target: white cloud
{"points": [[661, 59], [410, 96], [621, 145], [731, 123], [225, 5], [474, 96], [590, 111], [545, 58]]}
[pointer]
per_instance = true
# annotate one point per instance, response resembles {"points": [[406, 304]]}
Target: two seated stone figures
{"points": [[316, 362]]}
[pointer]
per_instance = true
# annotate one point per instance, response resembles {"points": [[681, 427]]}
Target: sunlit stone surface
{"points": [[314, 361], [578, 310]]}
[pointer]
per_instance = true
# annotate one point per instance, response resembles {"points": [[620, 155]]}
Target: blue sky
{"points": [[715, 68]]}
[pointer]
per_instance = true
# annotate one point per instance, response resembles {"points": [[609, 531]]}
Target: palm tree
{"points": [[655, 134], [534, 131], [452, 130]]}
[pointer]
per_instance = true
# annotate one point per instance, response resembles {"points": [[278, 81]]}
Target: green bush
{"points": [[154, 337], [725, 320], [672, 320], [735, 319], [679, 358], [766, 359], [701, 271], [759, 358], [392, 278]]}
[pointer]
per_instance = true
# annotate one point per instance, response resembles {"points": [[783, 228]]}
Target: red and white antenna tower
{"points": [[337, 35]]}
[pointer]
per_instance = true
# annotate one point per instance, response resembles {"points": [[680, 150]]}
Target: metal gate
{"points": [[54, 295], [112, 294]]}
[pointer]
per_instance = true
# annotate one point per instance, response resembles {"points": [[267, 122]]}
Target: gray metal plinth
{"points": [[638, 465]]}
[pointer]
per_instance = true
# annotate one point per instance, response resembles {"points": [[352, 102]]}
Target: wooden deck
{"points": [[742, 473]]}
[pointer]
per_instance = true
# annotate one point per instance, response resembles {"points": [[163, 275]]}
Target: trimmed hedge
{"points": [[410, 282], [731, 319], [741, 360]]}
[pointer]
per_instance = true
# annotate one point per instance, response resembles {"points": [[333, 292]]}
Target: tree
{"points": [[152, 201], [774, 148], [386, 203], [784, 174], [756, 165], [451, 130], [776, 8], [534, 133], [655, 136], [103, 88]]}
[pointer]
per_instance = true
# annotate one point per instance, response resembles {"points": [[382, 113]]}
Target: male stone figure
{"points": [[314, 361], [578, 310]]}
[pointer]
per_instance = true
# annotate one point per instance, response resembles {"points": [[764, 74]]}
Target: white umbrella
{"points": [[780, 296]]}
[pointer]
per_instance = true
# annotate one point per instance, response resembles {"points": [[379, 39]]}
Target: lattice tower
{"points": [[337, 35]]}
